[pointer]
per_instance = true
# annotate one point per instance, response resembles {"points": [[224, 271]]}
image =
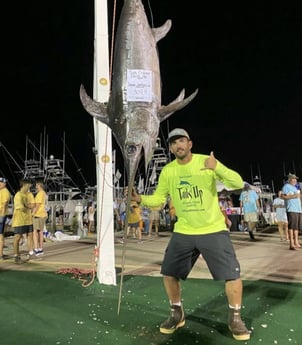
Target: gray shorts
{"points": [[294, 221], [2, 224], [133, 225], [217, 250], [23, 229]]}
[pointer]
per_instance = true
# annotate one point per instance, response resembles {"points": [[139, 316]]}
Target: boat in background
{"points": [[63, 193]]}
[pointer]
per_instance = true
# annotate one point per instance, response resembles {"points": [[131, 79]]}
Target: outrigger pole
{"points": [[103, 151]]}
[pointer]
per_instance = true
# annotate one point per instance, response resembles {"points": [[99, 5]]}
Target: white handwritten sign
{"points": [[139, 85]]}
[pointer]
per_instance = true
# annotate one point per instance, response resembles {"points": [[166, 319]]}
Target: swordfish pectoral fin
{"points": [[166, 110], [93, 107], [180, 97]]}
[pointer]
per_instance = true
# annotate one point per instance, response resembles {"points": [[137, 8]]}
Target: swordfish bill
{"points": [[134, 113]]}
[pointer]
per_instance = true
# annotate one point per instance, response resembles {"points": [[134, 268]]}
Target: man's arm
{"points": [[290, 196], [135, 197]]}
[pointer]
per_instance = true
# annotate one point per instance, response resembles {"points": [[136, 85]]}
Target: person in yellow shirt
{"points": [[39, 214], [4, 201], [134, 221], [190, 181], [22, 222]]}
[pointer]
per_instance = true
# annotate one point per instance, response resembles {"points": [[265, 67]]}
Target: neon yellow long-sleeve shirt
{"points": [[194, 194]]}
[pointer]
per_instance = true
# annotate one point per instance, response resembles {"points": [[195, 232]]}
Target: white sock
{"points": [[236, 307], [177, 303]]}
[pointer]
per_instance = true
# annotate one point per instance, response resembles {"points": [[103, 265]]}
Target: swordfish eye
{"points": [[131, 149]]}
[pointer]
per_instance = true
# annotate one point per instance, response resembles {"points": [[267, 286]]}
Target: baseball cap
{"points": [[178, 132], [3, 180], [291, 176]]}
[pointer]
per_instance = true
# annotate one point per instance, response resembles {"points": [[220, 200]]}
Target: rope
{"points": [[112, 39], [82, 274]]}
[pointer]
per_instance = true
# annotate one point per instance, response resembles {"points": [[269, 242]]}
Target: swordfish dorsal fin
{"points": [[166, 110], [93, 107], [162, 31]]}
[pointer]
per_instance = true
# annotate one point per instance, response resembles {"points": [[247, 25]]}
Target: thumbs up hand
{"points": [[210, 162]]}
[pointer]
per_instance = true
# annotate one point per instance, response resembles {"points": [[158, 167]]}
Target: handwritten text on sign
{"points": [[139, 85]]}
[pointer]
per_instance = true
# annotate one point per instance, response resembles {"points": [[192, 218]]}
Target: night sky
{"points": [[246, 62]]}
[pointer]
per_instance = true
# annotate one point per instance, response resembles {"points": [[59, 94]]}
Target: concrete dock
{"points": [[266, 258]]}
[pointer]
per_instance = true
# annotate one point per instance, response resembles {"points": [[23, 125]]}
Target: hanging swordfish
{"points": [[134, 110]]}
